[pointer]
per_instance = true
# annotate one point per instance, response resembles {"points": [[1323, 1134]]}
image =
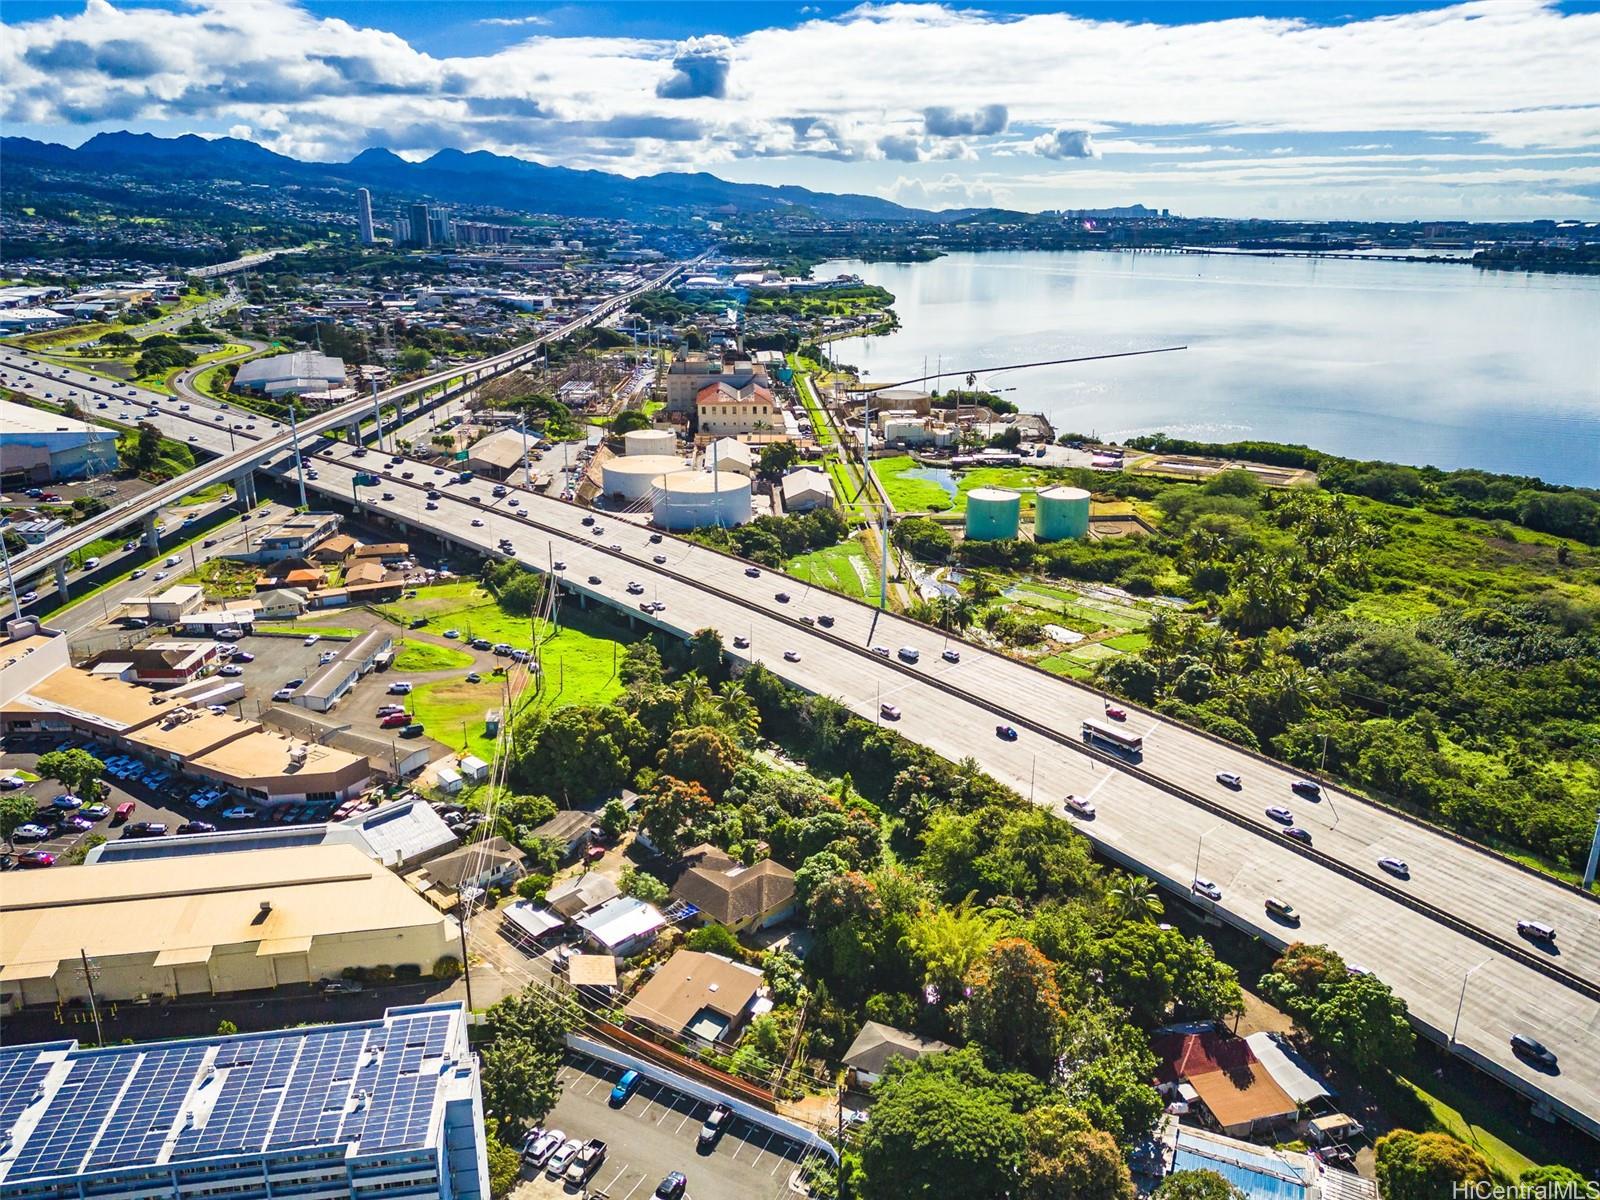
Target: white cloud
{"points": [[873, 86], [513, 21], [948, 191]]}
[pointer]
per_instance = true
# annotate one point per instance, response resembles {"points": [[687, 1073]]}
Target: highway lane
{"points": [[1423, 959], [235, 463]]}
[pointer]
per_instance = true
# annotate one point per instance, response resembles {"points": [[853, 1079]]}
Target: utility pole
{"points": [[299, 464], [466, 965], [94, 1006]]}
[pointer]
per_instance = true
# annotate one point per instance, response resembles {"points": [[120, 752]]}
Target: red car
{"points": [[36, 858], [124, 811], [394, 721], [1115, 713]]}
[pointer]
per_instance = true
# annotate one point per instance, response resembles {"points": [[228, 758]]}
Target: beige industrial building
{"points": [[690, 373], [722, 409], [224, 923]]}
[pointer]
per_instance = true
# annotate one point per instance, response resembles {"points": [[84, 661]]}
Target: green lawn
{"points": [[580, 667], [426, 656], [906, 494], [296, 630], [224, 579], [843, 568]]}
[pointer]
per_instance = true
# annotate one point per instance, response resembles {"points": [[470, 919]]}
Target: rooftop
{"points": [[733, 893], [73, 1110], [24, 419], [136, 907], [261, 754], [691, 983], [877, 1043], [303, 365]]}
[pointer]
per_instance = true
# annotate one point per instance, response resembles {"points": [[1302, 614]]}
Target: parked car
{"points": [[197, 827], [122, 813], [342, 987], [142, 829], [672, 1187], [539, 1145], [400, 687], [624, 1087], [239, 812], [67, 801], [312, 639], [565, 1153], [586, 1162], [29, 832], [35, 858], [395, 720], [716, 1125], [412, 730]]}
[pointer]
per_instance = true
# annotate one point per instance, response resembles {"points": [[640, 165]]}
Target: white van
{"points": [[173, 560], [90, 564]]}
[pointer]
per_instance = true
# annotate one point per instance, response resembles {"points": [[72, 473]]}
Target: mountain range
{"points": [[449, 176]]}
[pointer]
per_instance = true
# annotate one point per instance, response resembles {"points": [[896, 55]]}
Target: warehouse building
{"points": [[331, 684], [498, 455], [41, 447], [290, 374], [177, 728], [387, 1107], [223, 923]]}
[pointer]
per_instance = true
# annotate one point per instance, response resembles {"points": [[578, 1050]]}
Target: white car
{"points": [[1077, 804], [283, 693], [138, 573], [559, 1160], [231, 669], [173, 560], [312, 639], [326, 657], [1204, 887], [400, 687], [239, 813]]}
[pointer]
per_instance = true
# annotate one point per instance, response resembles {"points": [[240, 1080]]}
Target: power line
{"points": [[1050, 362]]}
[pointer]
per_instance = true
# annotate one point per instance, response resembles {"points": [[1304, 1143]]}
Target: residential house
{"points": [[582, 893], [699, 997], [569, 829], [805, 490], [734, 895], [334, 550], [1216, 1073], [366, 571], [622, 926], [877, 1043], [491, 863]]}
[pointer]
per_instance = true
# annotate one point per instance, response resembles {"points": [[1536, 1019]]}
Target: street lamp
{"points": [[1461, 1003], [1198, 842]]}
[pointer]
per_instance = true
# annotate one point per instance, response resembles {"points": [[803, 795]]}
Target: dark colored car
{"points": [[197, 827], [672, 1187], [412, 730], [1005, 733], [1532, 1051], [1298, 834]]}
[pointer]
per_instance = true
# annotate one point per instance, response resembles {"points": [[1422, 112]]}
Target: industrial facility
{"points": [[1061, 513], [383, 1107], [649, 441], [222, 923], [631, 477], [698, 499], [993, 514], [41, 447]]}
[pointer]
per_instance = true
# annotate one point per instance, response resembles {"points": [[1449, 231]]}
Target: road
{"points": [[238, 463], [953, 708]]}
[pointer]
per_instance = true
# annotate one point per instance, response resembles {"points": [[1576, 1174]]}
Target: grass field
{"points": [[291, 629], [426, 656], [844, 568], [580, 667], [910, 494]]}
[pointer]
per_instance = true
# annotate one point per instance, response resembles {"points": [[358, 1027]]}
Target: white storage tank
{"points": [[649, 441], [700, 499], [629, 478]]}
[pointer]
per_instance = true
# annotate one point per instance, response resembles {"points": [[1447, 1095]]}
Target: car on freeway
{"points": [[1533, 1051], [138, 573], [1005, 733], [1080, 805], [655, 539], [1536, 930], [1395, 866], [29, 597], [36, 858], [556, 1166], [1295, 833], [782, 597], [558, 565], [753, 572], [1115, 713], [1229, 779], [388, 496], [791, 656], [740, 642], [951, 656], [1204, 887], [635, 588], [1283, 910], [239, 812], [673, 1187], [909, 654], [477, 522], [890, 712], [614, 548], [1281, 815], [594, 580], [825, 620], [660, 559], [312, 639], [881, 651], [1307, 787]]}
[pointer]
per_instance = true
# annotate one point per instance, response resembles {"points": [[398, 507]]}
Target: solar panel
{"points": [[145, 1113], [21, 1073], [319, 1090], [245, 1109], [73, 1119]]}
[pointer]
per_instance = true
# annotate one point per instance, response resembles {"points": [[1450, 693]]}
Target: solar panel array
{"points": [[21, 1072], [72, 1120], [373, 1084]]}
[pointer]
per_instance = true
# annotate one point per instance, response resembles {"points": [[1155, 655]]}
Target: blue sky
{"points": [[1484, 110]]}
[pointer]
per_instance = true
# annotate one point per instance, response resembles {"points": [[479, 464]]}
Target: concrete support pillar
{"points": [[583, 600], [354, 434], [152, 535], [61, 579]]}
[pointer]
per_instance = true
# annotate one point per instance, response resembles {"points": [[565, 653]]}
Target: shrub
{"points": [[715, 939], [448, 967]]}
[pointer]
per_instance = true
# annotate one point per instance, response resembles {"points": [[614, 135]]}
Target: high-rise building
{"points": [[383, 1107], [439, 228], [402, 228], [364, 216], [421, 230]]}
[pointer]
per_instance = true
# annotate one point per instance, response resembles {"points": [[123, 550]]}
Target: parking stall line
{"points": [[740, 1150], [633, 1189], [621, 1171], [687, 1117]]}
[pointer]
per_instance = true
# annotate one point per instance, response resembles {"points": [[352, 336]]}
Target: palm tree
{"points": [[1135, 899], [947, 940]]}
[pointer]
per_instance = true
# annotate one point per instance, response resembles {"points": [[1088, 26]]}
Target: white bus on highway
{"points": [[1112, 737]]}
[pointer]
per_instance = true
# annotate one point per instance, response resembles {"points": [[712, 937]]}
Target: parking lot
{"points": [[655, 1132]]}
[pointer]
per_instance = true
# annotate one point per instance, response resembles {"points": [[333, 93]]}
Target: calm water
{"points": [[1416, 363]]}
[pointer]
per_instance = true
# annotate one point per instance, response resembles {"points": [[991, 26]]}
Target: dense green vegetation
{"points": [[772, 541], [1447, 664]]}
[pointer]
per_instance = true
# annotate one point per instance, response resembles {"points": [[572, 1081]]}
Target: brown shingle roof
{"points": [[690, 982], [731, 895]]}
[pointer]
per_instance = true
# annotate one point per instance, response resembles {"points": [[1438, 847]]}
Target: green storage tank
{"points": [[993, 514], [1061, 513]]}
